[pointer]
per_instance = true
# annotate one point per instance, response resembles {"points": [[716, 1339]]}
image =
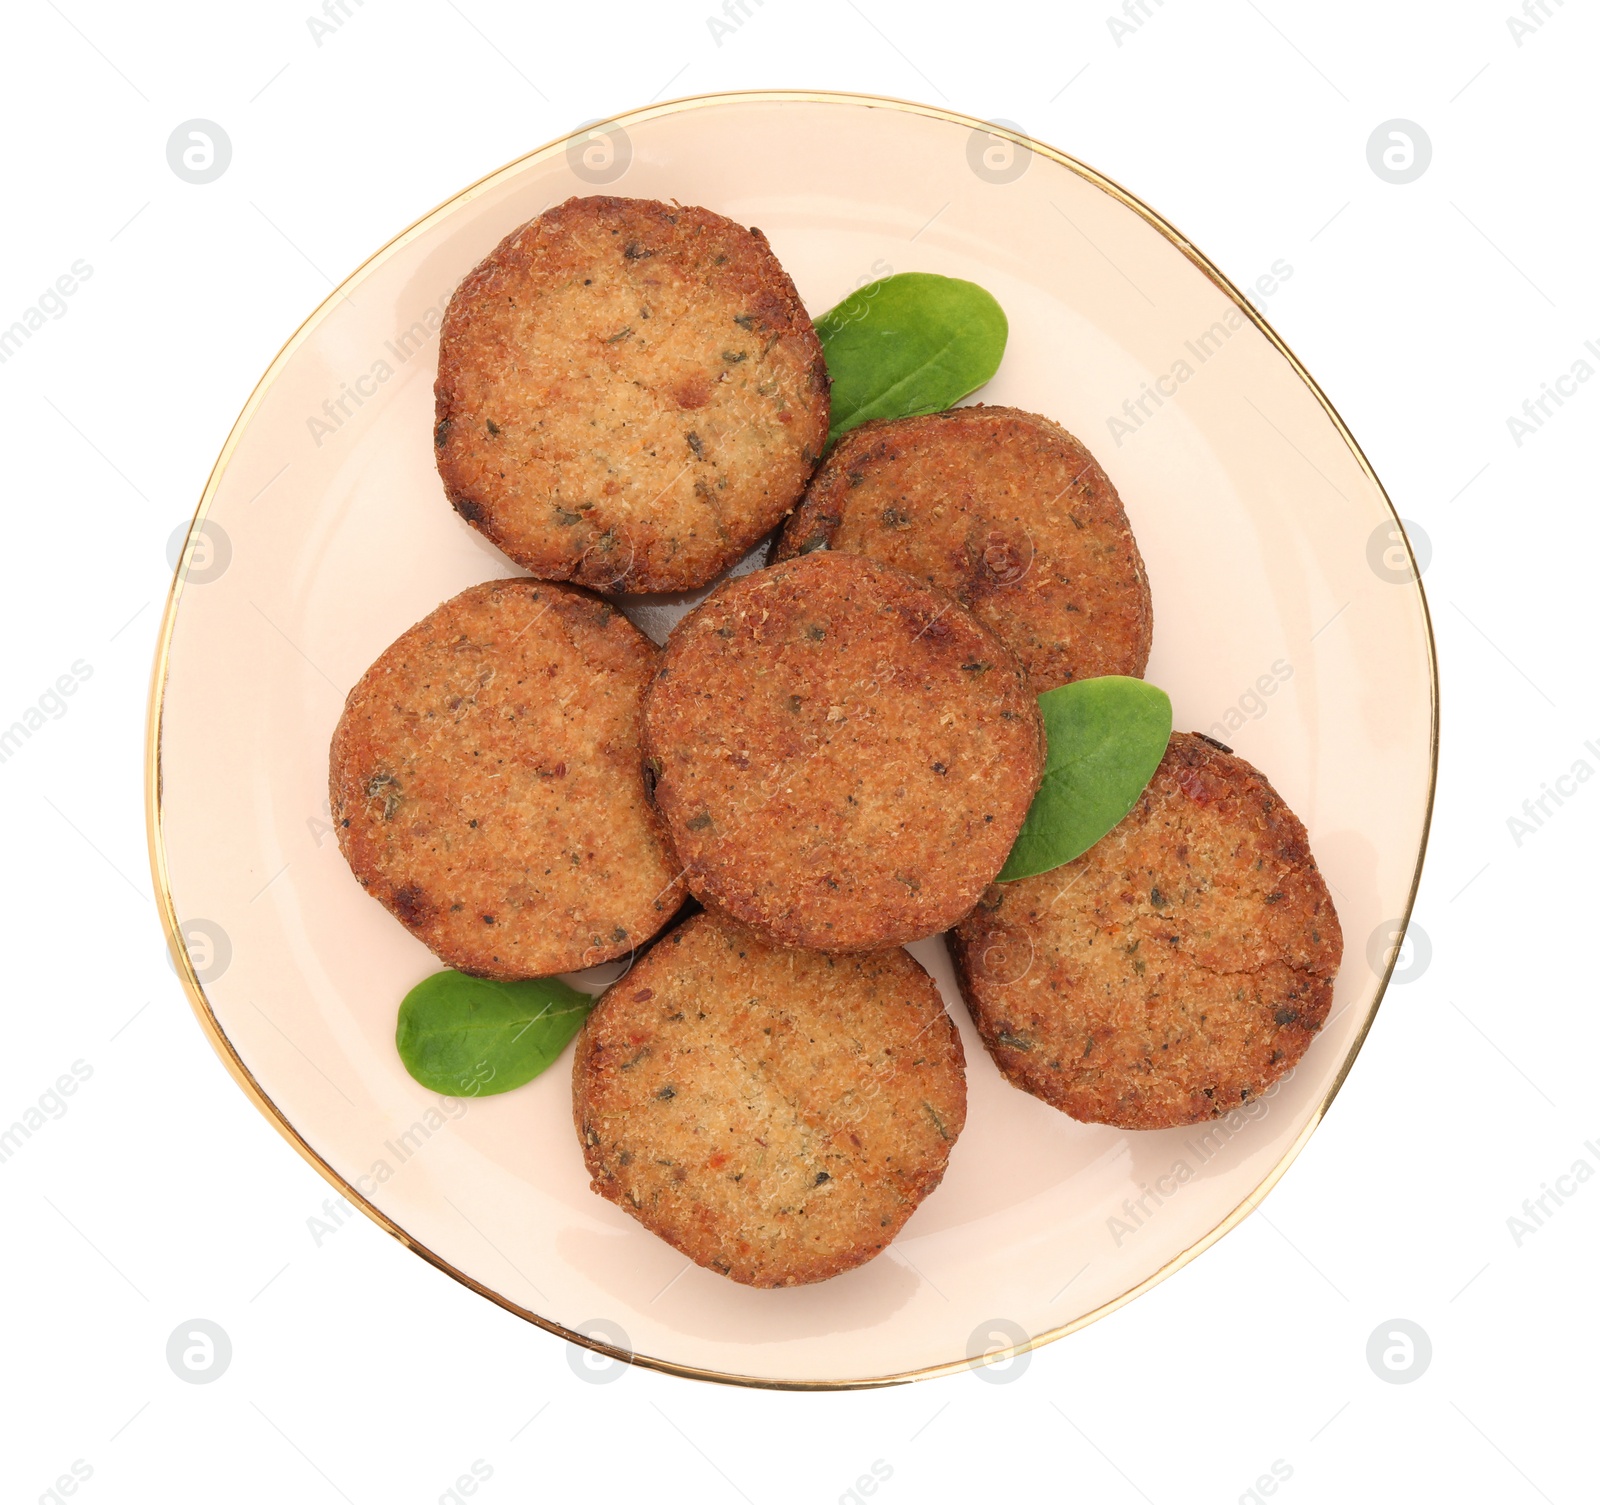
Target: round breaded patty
{"points": [[843, 756], [630, 394], [1007, 512], [774, 1114], [1176, 969], [486, 784]]}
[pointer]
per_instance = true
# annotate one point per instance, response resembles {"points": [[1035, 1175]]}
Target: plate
{"points": [[1289, 623]]}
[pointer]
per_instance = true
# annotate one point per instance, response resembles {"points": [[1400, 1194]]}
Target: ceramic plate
{"points": [[1288, 623]]}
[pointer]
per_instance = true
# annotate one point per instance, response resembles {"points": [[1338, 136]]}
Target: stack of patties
{"points": [[842, 757], [630, 397], [630, 394], [833, 755], [1184, 962]]}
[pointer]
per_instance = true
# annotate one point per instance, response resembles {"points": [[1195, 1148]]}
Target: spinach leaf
{"points": [[471, 1037], [911, 343], [1104, 739]]}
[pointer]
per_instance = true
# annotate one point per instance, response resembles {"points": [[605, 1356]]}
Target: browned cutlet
{"points": [[1174, 971], [486, 783], [630, 394], [1007, 512], [774, 1114], [843, 755]]}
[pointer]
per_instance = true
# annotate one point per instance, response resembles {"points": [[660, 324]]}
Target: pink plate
{"points": [[1289, 623]]}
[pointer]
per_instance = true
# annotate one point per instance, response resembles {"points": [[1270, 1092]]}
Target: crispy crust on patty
{"points": [[843, 756], [1174, 971], [630, 394], [486, 787], [774, 1114], [1007, 512]]}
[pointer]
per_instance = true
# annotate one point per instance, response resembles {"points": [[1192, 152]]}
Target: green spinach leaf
{"points": [[1104, 739], [911, 343], [470, 1037]]}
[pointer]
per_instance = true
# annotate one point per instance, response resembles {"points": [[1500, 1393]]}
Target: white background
{"points": [[1428, 311]]}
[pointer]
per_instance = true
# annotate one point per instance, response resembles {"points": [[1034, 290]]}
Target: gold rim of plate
{"points": [[153, 791]]}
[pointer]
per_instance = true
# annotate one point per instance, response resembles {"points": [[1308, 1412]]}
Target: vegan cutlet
{"points": [[486, 785], [1174, 971], [843, 755], [630, 394], [774, 1114]]}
